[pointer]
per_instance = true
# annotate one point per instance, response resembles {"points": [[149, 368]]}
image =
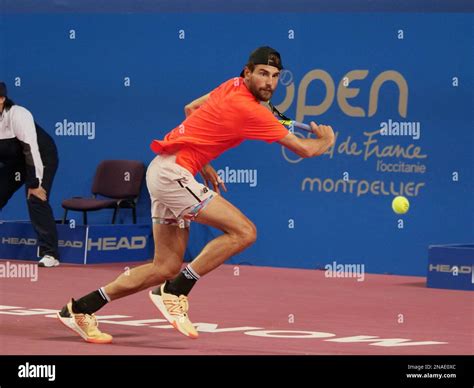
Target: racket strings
{"points": [[275, 111]]}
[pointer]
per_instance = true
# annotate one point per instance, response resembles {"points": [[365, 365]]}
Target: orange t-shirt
{"points": [[230, 115]]}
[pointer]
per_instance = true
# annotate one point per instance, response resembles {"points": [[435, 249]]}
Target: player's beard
{"points": [[261, 94]]}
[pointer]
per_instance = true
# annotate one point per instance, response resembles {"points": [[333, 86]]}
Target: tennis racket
{"points": [[287, 122]]}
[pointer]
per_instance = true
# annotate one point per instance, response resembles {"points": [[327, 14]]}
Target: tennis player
{"points": [[216, 122]]}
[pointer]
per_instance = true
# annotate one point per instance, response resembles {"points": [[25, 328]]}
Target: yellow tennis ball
{"points": [[400, 205]]}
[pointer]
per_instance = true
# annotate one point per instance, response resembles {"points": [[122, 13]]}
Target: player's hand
{"points": [[210, 177], [39, 192], [323, 132]]}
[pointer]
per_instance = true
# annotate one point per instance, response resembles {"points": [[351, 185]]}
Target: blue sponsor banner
{"points": [[71, 242], [105, 243], [18, 240], [451, 266], [119, 243]]}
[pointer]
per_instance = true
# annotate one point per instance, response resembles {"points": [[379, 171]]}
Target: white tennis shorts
{"points": [[176, 196]]}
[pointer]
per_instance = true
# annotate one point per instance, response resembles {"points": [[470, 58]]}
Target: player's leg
{"points": [[239, 232], [170, 244], [168, 259]]}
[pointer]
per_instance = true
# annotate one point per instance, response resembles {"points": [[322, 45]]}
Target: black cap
{"points": [[3, 89], [265, 56]]}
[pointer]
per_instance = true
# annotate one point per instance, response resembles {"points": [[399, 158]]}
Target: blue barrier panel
{"points": [[106, 243], [451, 266], [119, 243], [18, 240], [71, 242]]}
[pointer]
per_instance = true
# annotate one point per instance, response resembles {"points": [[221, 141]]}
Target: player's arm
{"points": [[192, 106], [308, 148]]}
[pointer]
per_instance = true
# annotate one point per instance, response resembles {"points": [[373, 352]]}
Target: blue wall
{"points": [[83, 80]]}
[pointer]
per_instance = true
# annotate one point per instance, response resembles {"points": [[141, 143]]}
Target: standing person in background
{"points": [[28, 155]]}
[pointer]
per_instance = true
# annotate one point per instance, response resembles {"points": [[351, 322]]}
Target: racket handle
{"points": [[292, 124], [303, 126]]}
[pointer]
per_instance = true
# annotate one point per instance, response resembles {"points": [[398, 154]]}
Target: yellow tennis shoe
{"points": [[175, 310], [85, 325]]}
